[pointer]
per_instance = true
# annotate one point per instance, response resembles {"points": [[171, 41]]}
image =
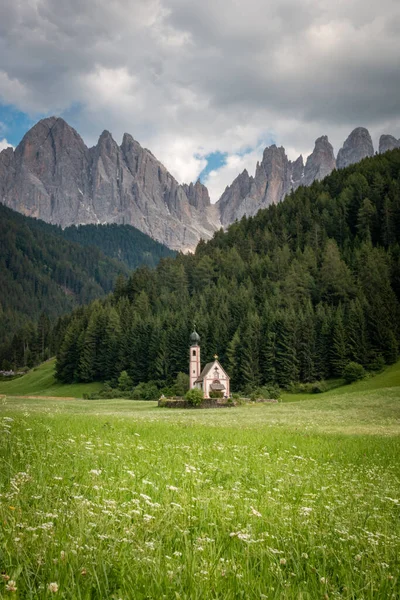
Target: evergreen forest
{"points": [[122, 242], [291, 295], [46, 272], [294, 294]]}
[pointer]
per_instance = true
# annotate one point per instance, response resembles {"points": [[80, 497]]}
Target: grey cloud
{"points": [[192, 77]]}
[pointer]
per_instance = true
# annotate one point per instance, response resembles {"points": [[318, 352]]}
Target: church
{"points": [[212, 378]]}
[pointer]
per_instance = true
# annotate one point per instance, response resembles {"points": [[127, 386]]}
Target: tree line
{"points": [[292, 294]]}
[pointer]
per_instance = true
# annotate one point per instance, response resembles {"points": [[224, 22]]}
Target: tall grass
{"points": [[124, 500]]}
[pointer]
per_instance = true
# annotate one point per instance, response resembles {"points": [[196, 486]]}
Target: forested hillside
{"points": [[294, 293], [41, 277], [122, 242]]}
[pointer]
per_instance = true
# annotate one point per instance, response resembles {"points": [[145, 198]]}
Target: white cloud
{"points": [[190, 78], [4, 144]]}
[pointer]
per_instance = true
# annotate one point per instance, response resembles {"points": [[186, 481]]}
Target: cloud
{"points": [[4, 144], [188, 79]]}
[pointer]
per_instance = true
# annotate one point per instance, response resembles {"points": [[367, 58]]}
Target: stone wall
{"points": [[206, 403]]}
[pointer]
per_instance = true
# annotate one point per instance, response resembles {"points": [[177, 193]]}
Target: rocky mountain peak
{"points": [[357, 146], [197, 194], [321, 161], [388, 142]]}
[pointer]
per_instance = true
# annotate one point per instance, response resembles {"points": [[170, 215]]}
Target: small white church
{"points": [[212, 377]]}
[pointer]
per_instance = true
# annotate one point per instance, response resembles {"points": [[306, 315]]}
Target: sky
{"points": [[204, 85]]}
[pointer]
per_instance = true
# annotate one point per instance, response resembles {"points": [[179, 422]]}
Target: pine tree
{"points": [[339, 348]]}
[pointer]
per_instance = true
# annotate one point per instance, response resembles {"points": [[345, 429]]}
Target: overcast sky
{"points": [[206, 85]]}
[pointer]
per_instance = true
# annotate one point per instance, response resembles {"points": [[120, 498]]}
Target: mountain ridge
{"points": [[54, 176]]}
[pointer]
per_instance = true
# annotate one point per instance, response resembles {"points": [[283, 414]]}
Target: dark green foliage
{"points": [[46, 271], [194, 397], [216, 394], [124, 382], [353, 372], [181, 385], [292, 294], [122, 242]]}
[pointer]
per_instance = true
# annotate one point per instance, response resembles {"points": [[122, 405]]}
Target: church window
{"points": [[194, 352]]}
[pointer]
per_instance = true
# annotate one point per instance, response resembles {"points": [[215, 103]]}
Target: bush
{"points": [[181, 385], [194, 397], [267, 392], [146, 391], [353, 372], [124, 382], [319, 387], [216, 394]]}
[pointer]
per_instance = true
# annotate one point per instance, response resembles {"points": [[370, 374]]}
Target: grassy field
{"points": [[40, 381], [121, 499]]}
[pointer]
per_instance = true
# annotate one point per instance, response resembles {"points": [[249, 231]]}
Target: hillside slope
{"points": [[43, 274], [121, 242], [292, 294]]}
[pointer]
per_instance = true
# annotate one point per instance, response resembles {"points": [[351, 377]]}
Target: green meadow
{"points": [[41, 381], [121, 499]]}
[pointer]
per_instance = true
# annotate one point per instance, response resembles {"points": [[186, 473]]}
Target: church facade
{"points": [[213, 378]]}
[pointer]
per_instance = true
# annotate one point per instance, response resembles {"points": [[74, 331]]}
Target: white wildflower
{"points": [[11, 586], [255, 512]]}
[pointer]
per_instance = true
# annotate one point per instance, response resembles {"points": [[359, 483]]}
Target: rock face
{"points": [[321, 162], [357, 146], [53, 176], [197, 195], [388, 142], [275, 177]]}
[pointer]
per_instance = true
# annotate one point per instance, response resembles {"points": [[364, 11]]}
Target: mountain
{"points": [[275, 177], [295, 293], [320, 163], [357, 146], [388, 142], [43, 271], [53, 176]]}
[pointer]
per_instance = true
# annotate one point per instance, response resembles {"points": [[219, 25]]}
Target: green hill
{"points": [[40, 381], [46, 272], [291, 295]]}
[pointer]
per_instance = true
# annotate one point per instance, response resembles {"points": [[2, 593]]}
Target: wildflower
{"points": [[83, 572], [255, 512], [147, 517], [305, 510], [62, 555], [11, 586], [304, 555], [358, 557], [172, 488], [53, 587], [95, 472], [323, 579], [282, 561], [5, 577]]}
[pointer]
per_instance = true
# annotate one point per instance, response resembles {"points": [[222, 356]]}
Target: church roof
{"points": [[217, 387], [204, 372], [208, 368]]}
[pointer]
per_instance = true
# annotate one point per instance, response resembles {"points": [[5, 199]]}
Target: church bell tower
{"points": [[194, 361]]}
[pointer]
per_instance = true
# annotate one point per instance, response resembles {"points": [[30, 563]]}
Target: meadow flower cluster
{"points": [[99, 506]]}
